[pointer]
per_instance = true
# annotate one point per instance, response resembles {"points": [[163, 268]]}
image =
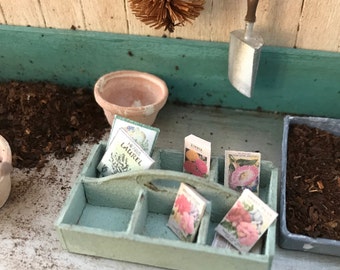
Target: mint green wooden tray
{"points": [[124, 216]]}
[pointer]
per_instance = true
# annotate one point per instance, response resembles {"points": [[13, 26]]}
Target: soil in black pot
{"points": [[313, 182], [40, 118]]}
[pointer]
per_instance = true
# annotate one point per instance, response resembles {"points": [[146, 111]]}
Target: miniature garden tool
{"points": [[244, 53]]}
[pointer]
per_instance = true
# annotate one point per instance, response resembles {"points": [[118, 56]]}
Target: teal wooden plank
{"points": [[289, 80]]}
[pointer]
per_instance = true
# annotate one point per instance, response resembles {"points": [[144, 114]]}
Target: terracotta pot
{"points": [[5, 170], [131, 94]]}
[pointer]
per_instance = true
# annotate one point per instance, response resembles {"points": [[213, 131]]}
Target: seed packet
{"points": [[197, 154], [220, 242], [242, 170], [246, 221], [187, 212], [124, 154], [144, 135]]}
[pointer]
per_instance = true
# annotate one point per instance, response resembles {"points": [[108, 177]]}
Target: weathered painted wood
{"points": [[23, 12], [308, 24], [63, 13], [289, 80], [2, 18], [221, 17], [320, 25], [107, 16], [278, 22]]}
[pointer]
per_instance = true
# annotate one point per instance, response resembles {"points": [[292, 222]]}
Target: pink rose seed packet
{"points": [[187, 212], [197, 154], [242, 170], [246, 221]]}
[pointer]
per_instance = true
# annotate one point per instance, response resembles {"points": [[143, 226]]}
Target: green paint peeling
{"points": [[289, 80]]}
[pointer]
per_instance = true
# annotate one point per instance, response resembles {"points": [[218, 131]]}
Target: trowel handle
{"points": [[251, 11]]}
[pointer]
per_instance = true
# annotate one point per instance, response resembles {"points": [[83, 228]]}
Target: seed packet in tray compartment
{"points": [[197, 155], [246, 221], [242, 170], [123, 154], [187, 212], [144, 135]]}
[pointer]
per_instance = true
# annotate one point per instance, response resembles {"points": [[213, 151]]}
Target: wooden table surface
{"points": [[28, 238]]}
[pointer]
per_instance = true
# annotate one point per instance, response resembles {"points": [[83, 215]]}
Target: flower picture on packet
{"points": [[187, 212], [246, 221], [242, 170], [195, 164], [144, 135]]}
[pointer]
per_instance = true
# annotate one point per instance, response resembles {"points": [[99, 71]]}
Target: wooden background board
{"points": [[306, 24], [289, 80]]}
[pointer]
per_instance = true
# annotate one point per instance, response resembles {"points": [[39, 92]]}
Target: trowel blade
{"points": [[244, 57]]}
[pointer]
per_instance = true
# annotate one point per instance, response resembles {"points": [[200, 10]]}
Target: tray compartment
{"points": [[106, 218], [157, 212], [153, 216], [100, 213]]}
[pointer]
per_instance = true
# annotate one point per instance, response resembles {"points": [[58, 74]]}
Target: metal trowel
{"points": [[244, 53]]}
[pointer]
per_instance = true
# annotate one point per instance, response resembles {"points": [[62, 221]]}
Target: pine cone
{"points": [[166, 13]]}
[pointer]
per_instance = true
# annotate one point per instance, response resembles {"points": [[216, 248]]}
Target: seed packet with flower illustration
{"points": [[123, 155], [246, 221], [144, 135], [187, 212], [242, 170], [197, 154]]}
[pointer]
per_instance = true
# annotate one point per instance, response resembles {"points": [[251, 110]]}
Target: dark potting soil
{"points": [[313, 182], [39, 118]]}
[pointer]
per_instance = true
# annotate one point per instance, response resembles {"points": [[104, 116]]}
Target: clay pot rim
{"points": [[5, 151], [137, 74]]}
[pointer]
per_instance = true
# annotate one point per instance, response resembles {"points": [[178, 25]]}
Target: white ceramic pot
{"points": [[131, 94], [5, 170]]}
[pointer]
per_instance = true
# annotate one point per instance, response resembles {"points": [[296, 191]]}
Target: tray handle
{"points": [[164, 183]]}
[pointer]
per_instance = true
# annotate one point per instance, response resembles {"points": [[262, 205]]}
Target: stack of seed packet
{"points": [[187, 212], [242, 170], [249, 218], [197, 154], [129, 147]]}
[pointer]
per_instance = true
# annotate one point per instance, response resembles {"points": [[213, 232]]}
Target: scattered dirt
{"points": [[313, 182], [40, 118]]}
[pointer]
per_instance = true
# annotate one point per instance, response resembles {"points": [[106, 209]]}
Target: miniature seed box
{"points": [[242, 170], [144, 135], [187, 212], [124, 154], [124, 216], [246, 221], [197, 156]]}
